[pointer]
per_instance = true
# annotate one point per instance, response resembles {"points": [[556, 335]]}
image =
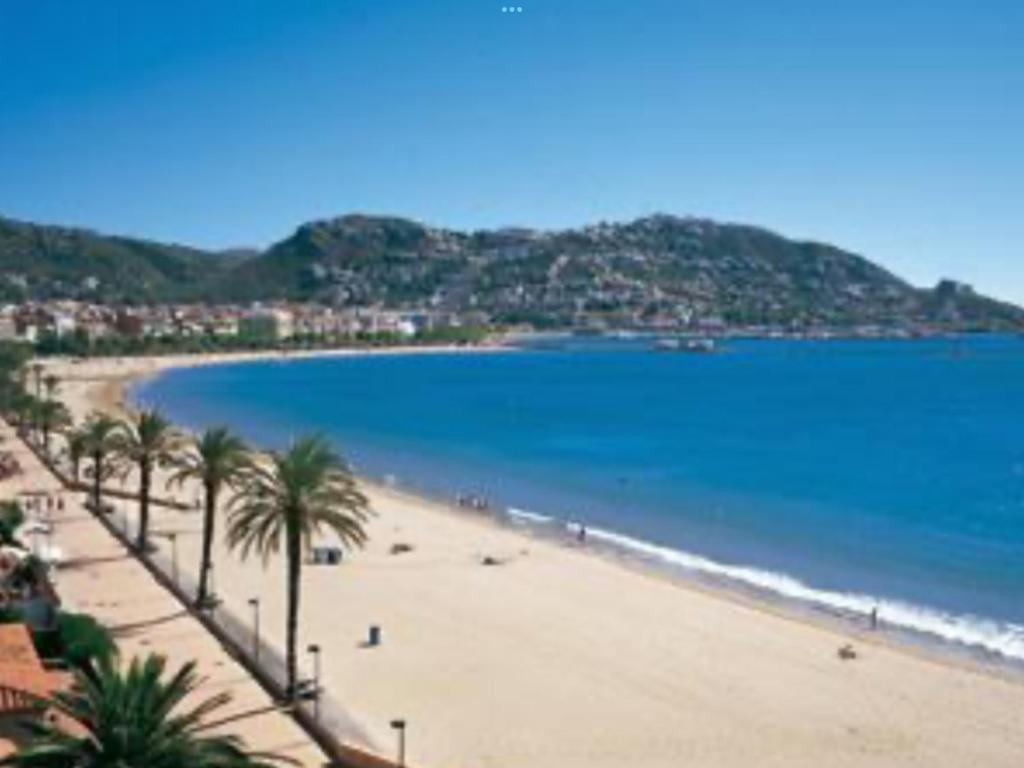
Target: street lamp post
{"points": [[315, 652], [49, 531], [399, 726], [254, 602]]}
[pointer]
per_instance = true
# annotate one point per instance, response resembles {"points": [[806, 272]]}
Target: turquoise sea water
{"points": [[841, 474]]}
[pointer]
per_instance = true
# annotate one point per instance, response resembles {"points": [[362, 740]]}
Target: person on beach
{"points": [[874, 618], [581, 534]]}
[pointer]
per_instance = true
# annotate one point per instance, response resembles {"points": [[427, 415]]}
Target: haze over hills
{"points": [[651, 270]]}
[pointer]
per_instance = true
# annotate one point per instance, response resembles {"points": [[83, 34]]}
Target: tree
{"points": [[77, 440], [292, 498], [33, 407], [11, 518], [37, 374], [220, 459], [101, 432], [133, 718], [51, 415], [9, 389], [147, 441], [50, 383], [13, 356], [23, 405]]}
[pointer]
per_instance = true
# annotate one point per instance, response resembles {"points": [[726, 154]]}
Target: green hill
{"points": [[45, 262], [653, 269]]}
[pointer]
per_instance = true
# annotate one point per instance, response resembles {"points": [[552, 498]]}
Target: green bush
{"points": [[78, 638], [83, 639], [11, 516]]}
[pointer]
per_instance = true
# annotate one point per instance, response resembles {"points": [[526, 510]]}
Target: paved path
{"points": [[100, 578]]}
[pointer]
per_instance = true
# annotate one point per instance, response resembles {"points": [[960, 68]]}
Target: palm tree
{"points": [[77, 445], [148, 441], [220, 459], [100, 437], [9, 389], [23, 405], [50, 382], [52, 415], [134, 717], [37, 373], [11, 518], [302, 491]]}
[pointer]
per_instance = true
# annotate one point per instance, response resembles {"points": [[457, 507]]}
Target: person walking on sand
{"points": [[581, 534], [874, 618]]}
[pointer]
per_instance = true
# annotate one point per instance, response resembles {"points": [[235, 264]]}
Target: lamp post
{"points": [[399, 726], [315, 652], [254, 602], [49, 530]]}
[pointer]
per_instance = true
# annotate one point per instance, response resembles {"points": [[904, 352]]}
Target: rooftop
{"points": [[21, 671]]}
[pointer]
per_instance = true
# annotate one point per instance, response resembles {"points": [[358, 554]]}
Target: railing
{"points": [[334, 731], [86, 487], [328, 725]]}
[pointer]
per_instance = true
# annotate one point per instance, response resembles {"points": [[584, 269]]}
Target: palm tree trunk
{"points": [[294, 576], [208, 523], [144, 478], [97, 480]]}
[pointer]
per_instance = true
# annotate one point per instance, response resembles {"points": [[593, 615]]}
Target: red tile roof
{"points": [[21, 672]]}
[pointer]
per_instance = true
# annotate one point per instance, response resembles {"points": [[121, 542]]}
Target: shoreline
{"points": [[115, 398], [110, 391], [609, 544]]}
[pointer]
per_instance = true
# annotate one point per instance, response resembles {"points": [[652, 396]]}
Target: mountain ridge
{"points": [[657, 269]]}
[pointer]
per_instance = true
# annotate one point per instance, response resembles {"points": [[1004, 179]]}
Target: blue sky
{"points": [[895, 129]]}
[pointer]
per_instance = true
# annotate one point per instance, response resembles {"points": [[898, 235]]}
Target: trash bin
{"points": [[374, 638]]}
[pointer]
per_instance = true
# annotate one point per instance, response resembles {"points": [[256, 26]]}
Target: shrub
{"points": [[83, 640]]}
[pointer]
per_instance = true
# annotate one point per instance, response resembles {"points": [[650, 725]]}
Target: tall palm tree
{"points": [[9, 389], [101, 440], [50, 382], [296, 495], [13, 357], [77, 447], [37, 374], [22, 407], [133, 718], [52, 415], [219, 459], [147, 441]]}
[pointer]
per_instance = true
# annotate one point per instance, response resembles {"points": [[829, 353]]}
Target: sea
{"points": [[839, 476]]}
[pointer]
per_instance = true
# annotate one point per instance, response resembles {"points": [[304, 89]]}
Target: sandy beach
{"points": [[556, 657]]}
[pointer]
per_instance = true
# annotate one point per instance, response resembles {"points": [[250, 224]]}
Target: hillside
{"points": [[44, 262], [661, 266], [658, 268]]}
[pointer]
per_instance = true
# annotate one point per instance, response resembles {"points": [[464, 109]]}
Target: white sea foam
{"points": [[524, 515], [1002, 638]]}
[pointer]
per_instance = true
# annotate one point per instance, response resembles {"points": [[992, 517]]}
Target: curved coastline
{"points": [[957, 637], [690, 572]]}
